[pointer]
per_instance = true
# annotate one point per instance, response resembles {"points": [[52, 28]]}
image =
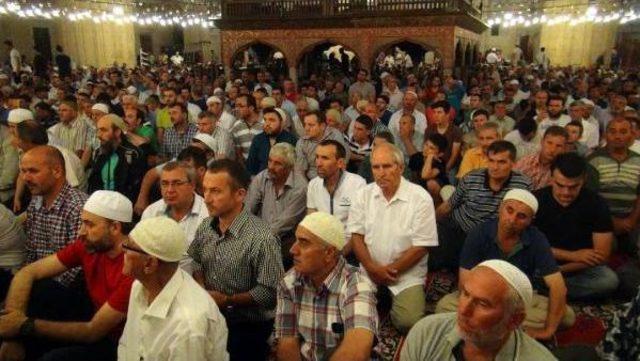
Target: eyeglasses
{"points": [[175, 184], [129, 248]]}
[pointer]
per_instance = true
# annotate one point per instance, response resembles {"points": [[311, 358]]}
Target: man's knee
{"points": [[403, 320], [448, 303], [408, 308], [607, 281]]}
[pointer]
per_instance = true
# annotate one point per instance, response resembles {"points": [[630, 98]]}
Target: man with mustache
{"points": [[510, 237], [492, 306]]}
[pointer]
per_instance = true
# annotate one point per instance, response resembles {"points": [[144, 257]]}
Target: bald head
{"points": [[43, 170]]}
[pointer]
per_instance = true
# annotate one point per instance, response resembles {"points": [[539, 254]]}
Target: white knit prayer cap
{"points": [[100, 107], [513, 276], [214, 99], [523, 196], [160, 237], [326, 227], [17, 116], [110, 205], [208, 140]]}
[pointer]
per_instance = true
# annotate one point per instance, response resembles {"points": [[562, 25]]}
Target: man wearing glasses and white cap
{"points": [[171, 316], [492, 306], [510, 237], [85, 327]]}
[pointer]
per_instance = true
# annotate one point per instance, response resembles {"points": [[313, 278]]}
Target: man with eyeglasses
{"points": [[85, 327], [170, 316], [179, 202]]}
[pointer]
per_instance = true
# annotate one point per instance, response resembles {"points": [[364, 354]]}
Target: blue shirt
{"points": [[260, 147], [532, 255]]}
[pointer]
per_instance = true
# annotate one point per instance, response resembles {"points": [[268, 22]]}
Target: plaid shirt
{"points": [[50, 230], [175, 142], [345, 298], [246, 258], [531, 167]]}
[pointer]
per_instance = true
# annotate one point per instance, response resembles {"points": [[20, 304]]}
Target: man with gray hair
{"points": [[340, 323], [278, 195], [392, 222], [491, 308], [170, 316], [179, 202]]}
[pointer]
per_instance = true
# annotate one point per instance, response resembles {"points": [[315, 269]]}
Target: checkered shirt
{"points": [[246, 258], [50, 230], [345, 298], [175, 142]]}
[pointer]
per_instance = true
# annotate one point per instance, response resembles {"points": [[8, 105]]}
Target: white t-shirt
{"points": [[548, 122], [392, 227], [318, 197]]}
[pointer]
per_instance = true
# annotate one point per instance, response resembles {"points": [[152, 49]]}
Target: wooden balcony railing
{"points": [[319, 9]]}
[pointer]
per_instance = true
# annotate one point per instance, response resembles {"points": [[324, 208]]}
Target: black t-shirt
{"points": [[64, 65], [416, 163], [572, 228]]}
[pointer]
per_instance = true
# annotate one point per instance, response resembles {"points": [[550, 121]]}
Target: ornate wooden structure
{"points": [[293, 27]]}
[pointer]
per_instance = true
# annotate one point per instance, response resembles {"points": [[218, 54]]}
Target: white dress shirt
{"points": [[392, 227], [562, 120], [189, 223], [590, 135], [226, 120], [183, 323], [318, 197]]}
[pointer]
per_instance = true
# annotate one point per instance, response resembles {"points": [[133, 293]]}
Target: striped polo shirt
{"points": [[617, 182], [474, 201], [243, 134]]}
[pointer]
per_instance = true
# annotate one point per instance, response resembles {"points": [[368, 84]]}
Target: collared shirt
{"points": [[246, 258], [72, 136], [590, 134], [338, 203], [51, 229], [531, 166], [174, 142], [306, 151], [391, 227], [474, 201], [532, 254], [243, 135], [189, 223], [345, 298], [260, 148], [617, 182], [474, 158], [283, 210], [436, 337], [181, 323]]}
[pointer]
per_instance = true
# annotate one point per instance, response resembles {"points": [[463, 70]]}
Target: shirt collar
{"points": [[402, 193], [59, 201], [330, 283], [195, 207], [236, 225], [159, 308], [340, 179], [504, 184]]}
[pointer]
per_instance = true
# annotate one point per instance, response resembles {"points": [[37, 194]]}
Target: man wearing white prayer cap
{"points": [[492, 306], [345, 324], [222, 118], [98, 251], [511, 238], [171, 317]]}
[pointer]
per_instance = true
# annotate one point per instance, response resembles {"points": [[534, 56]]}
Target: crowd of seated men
{"points": [[156, 213]]}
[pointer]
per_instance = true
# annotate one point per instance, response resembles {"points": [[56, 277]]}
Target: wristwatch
{"points": [[28, 327]]}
